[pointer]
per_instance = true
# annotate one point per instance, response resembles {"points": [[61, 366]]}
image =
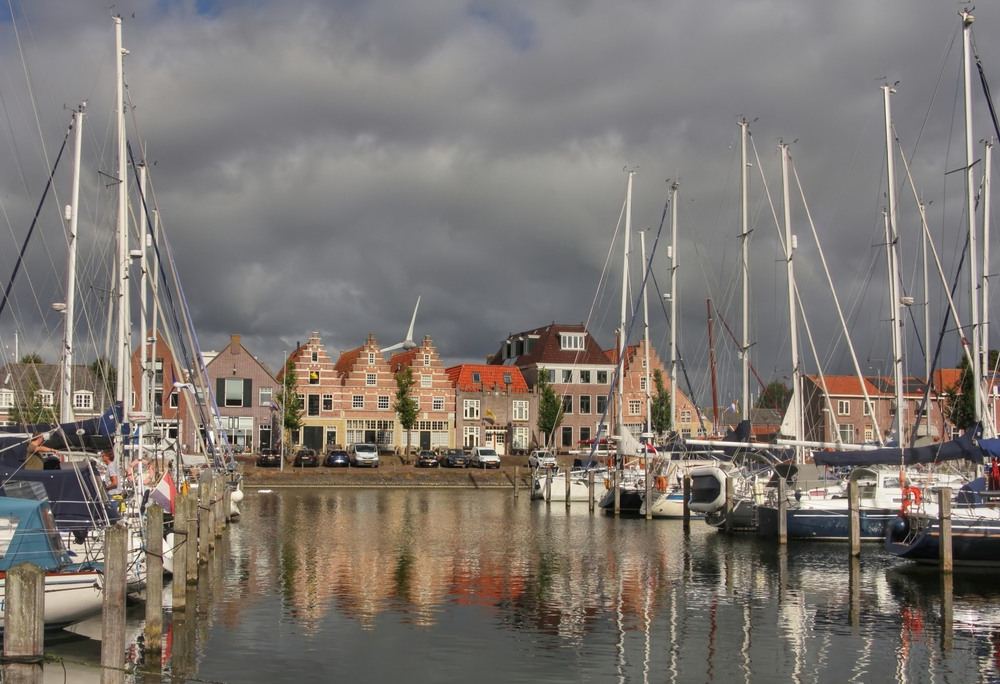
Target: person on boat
{"points": [[34, 457], [112, 475]]}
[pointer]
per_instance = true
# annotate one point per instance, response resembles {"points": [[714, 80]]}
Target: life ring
{"points": [[661, 483], [911, 498]]}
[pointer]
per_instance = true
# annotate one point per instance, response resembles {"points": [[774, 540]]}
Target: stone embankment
{"points": [[390, 473]]}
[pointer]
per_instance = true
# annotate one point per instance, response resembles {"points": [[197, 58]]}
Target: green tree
{"points": [[406, 406], [291, 405], [29, 409], [960, 399], [32, 358], [660, 409], [776, 395], [105, 371], [550, 408]]}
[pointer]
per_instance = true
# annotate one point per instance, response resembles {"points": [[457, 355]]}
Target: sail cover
{"points": [[965, 447]]}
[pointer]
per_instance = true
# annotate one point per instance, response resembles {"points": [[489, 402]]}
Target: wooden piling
{"points": [[180, 551], [944, 519], [113, 616], [517, 479], [590, 493], [24, 624], [154, 579], [648, 479], [193, 515], [618, 492], [782, 511], [205, 533], [854, 518], [730, 497], [687, 501], [548, 488]]}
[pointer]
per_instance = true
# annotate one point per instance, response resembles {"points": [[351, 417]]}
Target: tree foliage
{"points": [[32, 358], [406, 405], [29, 409], [106, 372], [660, 409], [960, 398], [288, 400], [550, 408], [776, 395]]}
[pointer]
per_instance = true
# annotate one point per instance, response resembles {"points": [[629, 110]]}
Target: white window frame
{"points": [[383, 402], [571, 341], [843, 407], [470, 409], [83, 400], [437, 404], [357, 401], [519, 409], [371, 379]]}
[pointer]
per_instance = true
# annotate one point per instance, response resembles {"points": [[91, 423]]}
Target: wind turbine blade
{"points": [[409, 333]]}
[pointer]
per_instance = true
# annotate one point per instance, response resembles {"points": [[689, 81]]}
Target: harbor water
{"points": [[420, 585]]}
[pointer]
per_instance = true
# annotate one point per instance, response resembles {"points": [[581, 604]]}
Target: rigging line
{"points": [[752, 367], [680, 356], [989, 97], [34, 222]]}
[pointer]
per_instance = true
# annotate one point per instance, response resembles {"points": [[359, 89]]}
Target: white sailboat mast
{"points": [[745, 260], [123, 383], [892, 254], [621, 334], [673, 306], [795, 405], [645, 341], [970, 188], [72, 211], [985, 296]]}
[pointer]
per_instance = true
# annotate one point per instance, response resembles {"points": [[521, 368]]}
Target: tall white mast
{"points": [[892, 253], [745, 259], [673, 306], [970, 188], [645, 342], [123, 385], [795, 405], [72, 213], [985, 295], [621, 334]]}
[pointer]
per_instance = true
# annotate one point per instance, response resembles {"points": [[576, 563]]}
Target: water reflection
{"points": [[456, 583]]}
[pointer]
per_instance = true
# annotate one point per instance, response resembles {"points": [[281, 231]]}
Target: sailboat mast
{"points": [[892, 245], [621, 334], [645, 342], [795, 405], [745, 259], [970, 189], [123, 384], [72, 211], [711, 363], [673, 306], [985, 295]]}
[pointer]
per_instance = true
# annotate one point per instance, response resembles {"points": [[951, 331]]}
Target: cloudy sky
{"points": [[318, 165]]}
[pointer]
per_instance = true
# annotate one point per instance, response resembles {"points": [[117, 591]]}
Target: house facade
{"points": [[494, 407], [577, 370], [435, 396], [243, 388], [320, 395], [39, 384]]}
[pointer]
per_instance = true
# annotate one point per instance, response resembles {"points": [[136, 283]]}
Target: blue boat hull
{"points": [[974, 541], [827, 525]]}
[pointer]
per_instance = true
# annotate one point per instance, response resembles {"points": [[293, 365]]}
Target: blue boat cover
{"points": [[968, 446]]}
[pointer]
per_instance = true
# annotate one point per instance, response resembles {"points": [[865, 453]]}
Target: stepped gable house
{"points": [[434, 394], [578, 371], [494, 407], [320, 394]]}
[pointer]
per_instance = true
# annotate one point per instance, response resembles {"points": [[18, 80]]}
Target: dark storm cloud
{"points": [[320, 165]]}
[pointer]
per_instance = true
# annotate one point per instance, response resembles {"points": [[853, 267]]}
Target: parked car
{"points": [[454, 458], [485, 457], [336, 458], [268, 458], [426, 459], [305, 458], [542, 459], [363, 455]]}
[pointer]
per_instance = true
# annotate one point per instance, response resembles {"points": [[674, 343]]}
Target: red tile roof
{"points": [[547, 350], [489, 377]]}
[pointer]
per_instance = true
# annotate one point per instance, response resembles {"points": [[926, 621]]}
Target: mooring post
{"points": [[193, 515], [944, 518], [782, 511], [617, 492], [730, 496], [113, 616], [517, 478], [204, 516], [24, 624], [590, 490], [548, 488], [854, 518], [180, 551], [687, 501], [154, 579]]}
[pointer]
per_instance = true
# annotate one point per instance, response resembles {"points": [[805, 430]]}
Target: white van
{"points": [[485, 457], [363, 455]]}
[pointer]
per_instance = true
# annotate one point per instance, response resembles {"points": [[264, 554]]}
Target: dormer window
{"points": [[571, 341], [45, 397], [476, 377]]}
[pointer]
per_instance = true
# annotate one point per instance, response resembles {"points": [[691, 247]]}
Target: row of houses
{"points": [[349, 397]]}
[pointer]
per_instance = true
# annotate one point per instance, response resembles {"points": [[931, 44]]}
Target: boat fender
{"points": [[898, 528], [607, 484], [911, 498], [661, 483]]}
